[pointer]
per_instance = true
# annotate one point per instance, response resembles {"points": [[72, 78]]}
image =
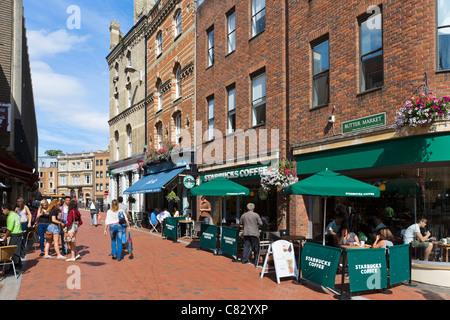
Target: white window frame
{"points": [[178, 83], [210, 43], [160, 102], [255, 14], [159, 43], [178, 23], [160, 137], [178, 129], [130, 141], [231, 32], [210, 106], [258, 102], [231, 108]]}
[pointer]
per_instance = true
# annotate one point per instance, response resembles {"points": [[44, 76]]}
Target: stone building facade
{"points": [[127, 123]]}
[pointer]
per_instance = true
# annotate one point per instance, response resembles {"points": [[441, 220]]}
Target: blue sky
{"points": [[69, 71]]}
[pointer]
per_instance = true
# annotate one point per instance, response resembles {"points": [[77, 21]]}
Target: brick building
{"points": [[242, 96], [360, 63], [170, 81], [48, 175]]}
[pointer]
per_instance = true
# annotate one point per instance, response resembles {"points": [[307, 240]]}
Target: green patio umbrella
{"points": [[328, 184], [220, 187]]}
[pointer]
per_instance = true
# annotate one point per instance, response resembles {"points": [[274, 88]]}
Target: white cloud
{"points": [[43, 44]]}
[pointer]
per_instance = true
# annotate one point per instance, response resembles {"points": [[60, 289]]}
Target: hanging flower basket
{"points": [[160, 155], [278, 177], [172, 197], [422, 111]]}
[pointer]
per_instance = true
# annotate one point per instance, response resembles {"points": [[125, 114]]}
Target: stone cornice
{"points": [[187, 70], [127, 112]]}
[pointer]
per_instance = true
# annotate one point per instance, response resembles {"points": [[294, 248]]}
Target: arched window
{"points": [[159, 43], [130, 140], [178, 24], [159, 97], [178, 82], [116, 135]]}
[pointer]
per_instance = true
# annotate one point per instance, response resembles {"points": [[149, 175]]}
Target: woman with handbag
{"points": [[42, 221], [53, 229], [116, 229], [71, 229]]}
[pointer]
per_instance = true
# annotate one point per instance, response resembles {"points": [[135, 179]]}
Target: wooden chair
{"points": [[6, 255]]}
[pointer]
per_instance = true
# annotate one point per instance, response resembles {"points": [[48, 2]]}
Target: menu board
{"points": [[284, 259]]}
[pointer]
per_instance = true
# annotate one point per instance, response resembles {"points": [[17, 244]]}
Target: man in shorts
{"points": [[414, 236]]}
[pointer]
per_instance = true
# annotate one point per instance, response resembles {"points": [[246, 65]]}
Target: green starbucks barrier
{"points": [[367, 269], [208, 239], [399, 264], [319, 264], [228, 242], [171, 228]]}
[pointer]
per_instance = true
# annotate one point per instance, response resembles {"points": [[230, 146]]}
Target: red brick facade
{"points": [[177, 56]]}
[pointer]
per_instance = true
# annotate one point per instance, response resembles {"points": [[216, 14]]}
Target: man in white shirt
{"points": [[163, 215], [414, 236]]}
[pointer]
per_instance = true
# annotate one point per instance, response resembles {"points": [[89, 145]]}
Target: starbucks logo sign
{"points": [[189, 182]]}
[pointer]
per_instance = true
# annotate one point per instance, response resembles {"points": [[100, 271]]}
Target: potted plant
{"points": [[172, 197]]}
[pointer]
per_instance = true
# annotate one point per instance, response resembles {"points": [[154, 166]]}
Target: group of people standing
{"points": [[58, 224]]}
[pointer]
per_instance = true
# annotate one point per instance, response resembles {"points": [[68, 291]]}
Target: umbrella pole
{"points": [[324, 218]]}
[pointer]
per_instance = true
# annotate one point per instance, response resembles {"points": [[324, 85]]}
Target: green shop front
{"points": [[233, 207], [412, 172]]}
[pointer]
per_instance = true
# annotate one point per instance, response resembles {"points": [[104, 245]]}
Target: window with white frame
{"points": [[63, 167], [159, 43], [258, 16], [231, 102], [129, 95], [210, 47], [231, 31], [87, 179], [116, 98], [178, 25], [321, 73], [63, 180], [259, 99], [87, 165], [117, 145], [210, 118], [443, 34]]}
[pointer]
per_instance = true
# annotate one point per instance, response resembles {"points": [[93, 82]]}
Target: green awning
{"points": [[329, 183], [409, 150], [220, 187]]}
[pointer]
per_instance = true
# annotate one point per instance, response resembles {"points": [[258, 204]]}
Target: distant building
{"points": [[48, 175], [101, 176], [75, 176], [18, 128]]}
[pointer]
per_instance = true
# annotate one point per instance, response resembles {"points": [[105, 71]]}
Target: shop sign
{"points": [[4, 123], [208, 239], [399, 268], [228, 243], [367, 269], [130, 167], [247, 173], [319, 264], [170, 229], [189, 182], [377, 120]]}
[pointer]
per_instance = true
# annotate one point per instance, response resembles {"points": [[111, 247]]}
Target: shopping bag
{"points": [[129, 244]]}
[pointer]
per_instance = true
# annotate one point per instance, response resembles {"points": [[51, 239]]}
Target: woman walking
{"points": [[71, 229], [116, 230], [54, 227], [43, 220]]}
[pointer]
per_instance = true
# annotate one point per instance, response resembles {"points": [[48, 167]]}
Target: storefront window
{"points": [[406, 196]]}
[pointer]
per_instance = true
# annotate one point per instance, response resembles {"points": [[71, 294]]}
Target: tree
{"points": [[53, 153]]}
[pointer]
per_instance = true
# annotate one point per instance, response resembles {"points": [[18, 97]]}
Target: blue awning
{"points": [[153, 182]]}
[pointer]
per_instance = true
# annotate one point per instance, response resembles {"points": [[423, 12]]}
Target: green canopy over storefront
{"points": [[331, 184], [220, 187]]}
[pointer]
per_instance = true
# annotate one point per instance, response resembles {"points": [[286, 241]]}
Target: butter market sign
{"points": [[377, 120]]}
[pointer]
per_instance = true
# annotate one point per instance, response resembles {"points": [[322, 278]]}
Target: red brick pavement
{"points": [[164, 270]]}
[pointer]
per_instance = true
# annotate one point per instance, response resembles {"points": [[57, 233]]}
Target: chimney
{"points": [[142, 8], [114, 29]]}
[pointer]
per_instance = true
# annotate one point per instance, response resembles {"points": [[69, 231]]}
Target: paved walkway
{"points": [[164, 270]]}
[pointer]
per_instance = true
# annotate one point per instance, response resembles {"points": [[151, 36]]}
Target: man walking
{"points": [[251, 222], [13, 229], [94, 212]]}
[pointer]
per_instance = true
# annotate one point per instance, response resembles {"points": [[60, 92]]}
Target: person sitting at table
{"points": [[346, 237], [332, 230], [384, 239], [414, 236], [175, 212], [13, 230]]}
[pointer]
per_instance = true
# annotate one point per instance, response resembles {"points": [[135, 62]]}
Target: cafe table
{"points": [[347, 246], [190, 225], [443, 246]]}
